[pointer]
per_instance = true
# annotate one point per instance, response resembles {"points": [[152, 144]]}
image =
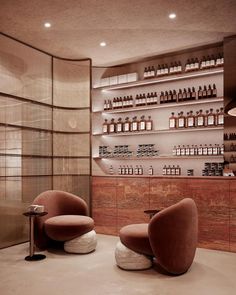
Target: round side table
{"points": [[151, 212], [32, 256]]}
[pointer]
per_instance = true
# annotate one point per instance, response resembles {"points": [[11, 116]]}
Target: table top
{"points": [[29, 213]]}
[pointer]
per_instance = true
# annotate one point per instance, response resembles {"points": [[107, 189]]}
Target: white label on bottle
{"points": [[119, 127], [179, 68], [162, 71], [220, 119], [181, 122], [212, 62], [207, 63], [204, 151], [210, 120], [190, 122], [158, 72], [112, 128], [182, 151], [148, 100], [196, 65], [203, 64], [104, 129], [210, 151], [187, 68], [200, 151], [191, 152], [164, 171], [126, 127], [218, 61], [215, 151], [174, 152], [187, 152], [134, 126], [178, 152], [171, 70], [172, 123], [177, 171], [166, 70], [200, 121], [149, 126], [142, 125]]}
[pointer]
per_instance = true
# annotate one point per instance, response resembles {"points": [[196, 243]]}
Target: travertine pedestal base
{"points": [[130, 260], [83, 244]]}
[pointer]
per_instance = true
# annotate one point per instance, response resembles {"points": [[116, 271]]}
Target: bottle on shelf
{"points": [[200, 93], [140, 170], [119, 125], [164, 170], [172, 121], [200, 119], [170, 96], [209, 91], [187, 66], [190, 120], [162, 97], [220, 117], [178, 151], [204, 92], [145, 74], [184, 94], [119, 170], [196, 64], [142, 124], [136, 170], [193, 94], [166, 97], [173, 170], [158, 73], [214, 91], [150, 170], [212, 61], [200, 150], [168, 170], [126, 125], [192, 150], [208, 62], [112, 126], [148, 100], [134, 124], [182, 151], [131, 170], [166, 69], [111, 170], [210, 150], [181, 120], [174, 151], [174, 96], [210, 118], [149, 124], [179, 67], [105, 127], [152, 72], [189, 94], [178, 170], [180, 96], [203, 63]]}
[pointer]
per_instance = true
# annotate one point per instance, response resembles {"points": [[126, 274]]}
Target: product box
{"points": [[122, 79], [132, 77], [104, 82], [113, 80]]}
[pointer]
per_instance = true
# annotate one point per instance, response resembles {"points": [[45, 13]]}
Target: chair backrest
{"points": [[56, 203], [173, 235]]}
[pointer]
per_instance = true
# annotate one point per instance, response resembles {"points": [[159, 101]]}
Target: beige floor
{"points": [[213, 272]]}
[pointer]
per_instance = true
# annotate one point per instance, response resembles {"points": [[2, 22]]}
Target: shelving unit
{"points": [[161, 136], [159, 80]]}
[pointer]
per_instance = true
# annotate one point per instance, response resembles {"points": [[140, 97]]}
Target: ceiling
{"points": [[132, 29]]}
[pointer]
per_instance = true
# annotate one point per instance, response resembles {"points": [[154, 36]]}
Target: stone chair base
{"points": [[129, 260], [82, 244]]}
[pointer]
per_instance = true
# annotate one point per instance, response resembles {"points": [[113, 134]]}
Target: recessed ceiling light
{"points": [[47, 25], [172, 15], [103, 44]]}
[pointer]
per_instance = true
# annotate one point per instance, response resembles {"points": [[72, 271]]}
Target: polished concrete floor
{"points": [[213, 272]]}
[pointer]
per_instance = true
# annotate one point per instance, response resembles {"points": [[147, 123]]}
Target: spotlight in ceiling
{"points": [[230, 108], [47, 25], [103, 44], [172, 15]]}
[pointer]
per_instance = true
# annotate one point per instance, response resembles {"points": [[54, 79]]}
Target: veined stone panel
{"points": [[71, 120], [71, 85], [36, 143], [24, 71], [36, 166]]}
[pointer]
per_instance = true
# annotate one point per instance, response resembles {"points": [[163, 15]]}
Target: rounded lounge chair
{"points": [[66, 221], [171, 237]]}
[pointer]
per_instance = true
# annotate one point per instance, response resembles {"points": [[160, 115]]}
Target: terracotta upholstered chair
{"points": [[171, 237], [66, 221]]}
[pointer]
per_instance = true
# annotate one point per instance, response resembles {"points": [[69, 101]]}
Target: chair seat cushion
{"points": [[135, 237], [67, 227]]}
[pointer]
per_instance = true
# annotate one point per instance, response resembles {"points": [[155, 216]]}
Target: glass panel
{"points": [[36, 143], [71, 120], [24, 71], [71, 85], [71, 166], [71, 144], [33, 186], [36, 166]]}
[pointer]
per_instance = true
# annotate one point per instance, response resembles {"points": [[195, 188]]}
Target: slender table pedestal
{"points": [[32, 256]]}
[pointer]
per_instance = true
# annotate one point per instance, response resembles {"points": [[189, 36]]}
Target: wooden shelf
{"points": [[161, 131], [163, 106], [169, 78]]}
